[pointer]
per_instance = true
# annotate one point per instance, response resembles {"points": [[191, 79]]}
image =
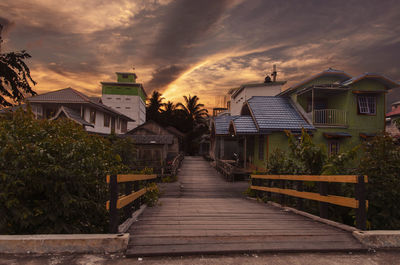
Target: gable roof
{"points": [[275, 114], [175, 131], [152, 139], [144, 125], [386, 81], [328, 72], [244, 125], [70, 95], [221, 124], [71, 114]]}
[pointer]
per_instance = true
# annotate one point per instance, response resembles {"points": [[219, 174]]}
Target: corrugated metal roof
{"points": [[71, 114], [275, 114], [64, 95], [244, 125], [152, 139], [222, 124], [390, 83]]}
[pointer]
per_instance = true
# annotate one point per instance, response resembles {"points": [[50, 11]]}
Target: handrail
{"points": [[333, 117], [132, 194], [359, 202]]}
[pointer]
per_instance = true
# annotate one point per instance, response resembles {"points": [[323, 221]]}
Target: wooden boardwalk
{"points": [[204, 214]]}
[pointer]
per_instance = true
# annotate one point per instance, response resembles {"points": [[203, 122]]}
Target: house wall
{"points": [[99, 123], [129, 105], [248, 92]]}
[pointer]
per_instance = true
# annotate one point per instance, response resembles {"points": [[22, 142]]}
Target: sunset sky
{"points": [[199, 47]]}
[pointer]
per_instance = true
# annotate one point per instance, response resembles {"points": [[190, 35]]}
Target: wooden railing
{"points": [[225, 169], [329, 117], [265, 183], [176, 164], [132, 195]]}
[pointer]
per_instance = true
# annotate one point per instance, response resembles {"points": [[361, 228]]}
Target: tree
{"points": [[15, 77], [194, 111], [168, 114], [154, 105], [194, 115]]}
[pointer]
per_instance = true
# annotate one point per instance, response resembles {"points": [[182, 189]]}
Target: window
{"points": [[261, 148], [118, 123], [366, 104], [92, 116], [124, 76], [334, 147], [124, 126], [106, 120], [127, 107], [127, 99]]}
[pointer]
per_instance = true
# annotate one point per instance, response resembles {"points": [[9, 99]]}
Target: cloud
{"points": [[181, 47]]}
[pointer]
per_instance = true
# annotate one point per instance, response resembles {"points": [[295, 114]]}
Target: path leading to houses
{"points": [[204, 214]]}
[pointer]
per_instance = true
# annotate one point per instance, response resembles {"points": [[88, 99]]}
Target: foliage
{"points": [[381, 163], [152, 194], [52, 176], [126, 152], [153, 108], [169, 179], [15, 77]]}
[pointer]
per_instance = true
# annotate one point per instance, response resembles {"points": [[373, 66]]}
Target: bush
{"points": [[381, 163], [52, 176]]}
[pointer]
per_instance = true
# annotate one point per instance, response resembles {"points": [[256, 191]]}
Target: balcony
{"points": [[330, 117]]}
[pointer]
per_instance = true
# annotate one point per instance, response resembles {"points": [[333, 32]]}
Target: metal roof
{"points": [[276, 114], [329, 72], [222, 124], [152, 139], [389, 83], [244, 125], [70, 95], [71, 114]]}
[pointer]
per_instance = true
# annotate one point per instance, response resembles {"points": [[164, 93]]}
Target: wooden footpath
{"points": [[204, 214]]}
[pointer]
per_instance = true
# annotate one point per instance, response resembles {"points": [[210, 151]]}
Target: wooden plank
{"points": [[327, 178], [337, 200], [131, 177], [126, 199]]}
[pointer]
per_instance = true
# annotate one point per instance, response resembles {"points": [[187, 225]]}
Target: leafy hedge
{"points": [[380, 160], [52, 176]]}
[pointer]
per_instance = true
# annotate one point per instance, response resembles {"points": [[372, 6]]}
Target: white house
{"points": [[89, 112], [126, 96]]}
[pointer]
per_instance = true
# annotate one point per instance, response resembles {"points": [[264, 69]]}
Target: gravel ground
{"points": [[371, 258]]}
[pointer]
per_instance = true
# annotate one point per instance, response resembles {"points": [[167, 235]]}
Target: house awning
{"points": [[367, 135], [336, 135]]}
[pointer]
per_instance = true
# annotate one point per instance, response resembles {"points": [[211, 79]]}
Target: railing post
{"points": [[299, 187], [113, 204], [282, 196], [361, 213], [137, 201], [323, 206], [128, 208]]}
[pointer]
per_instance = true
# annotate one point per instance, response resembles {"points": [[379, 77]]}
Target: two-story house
{"points": [[339, 111], [89, 112]]}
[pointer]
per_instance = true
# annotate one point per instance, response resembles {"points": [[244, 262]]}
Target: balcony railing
{"points": [[329, 117]]}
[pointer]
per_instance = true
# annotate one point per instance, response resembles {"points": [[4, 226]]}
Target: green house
{"points": [[338, 110]]}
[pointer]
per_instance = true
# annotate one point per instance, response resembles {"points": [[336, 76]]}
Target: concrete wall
{"points": [[248, 92], [131, 106]]}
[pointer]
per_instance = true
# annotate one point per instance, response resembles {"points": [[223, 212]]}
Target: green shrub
{"points": [[52, 176], [152, 194], [381, 163]]}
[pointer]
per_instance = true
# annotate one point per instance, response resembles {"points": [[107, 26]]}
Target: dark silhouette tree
{"points": [[15, 77], [154, 105], [168, 114], [195, 120]]}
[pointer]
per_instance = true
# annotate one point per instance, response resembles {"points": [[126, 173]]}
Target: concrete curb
{"points": [[76, 243], [124, 227], [379, 238], [311, 216]]}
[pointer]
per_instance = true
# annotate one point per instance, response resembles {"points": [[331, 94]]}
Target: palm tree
{"points": [[194, 112], [195, 123], [154, 105], [168, 113]]}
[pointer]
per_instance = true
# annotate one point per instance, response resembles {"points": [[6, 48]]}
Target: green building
{"points": [[127, 97], [338, 110]]}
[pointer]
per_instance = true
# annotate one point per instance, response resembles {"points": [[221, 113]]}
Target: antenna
{"points": [[274, 73]]}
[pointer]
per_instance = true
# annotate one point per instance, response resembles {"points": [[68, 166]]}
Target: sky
{"points": [[197, 47]]}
